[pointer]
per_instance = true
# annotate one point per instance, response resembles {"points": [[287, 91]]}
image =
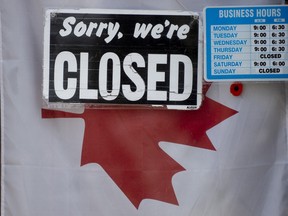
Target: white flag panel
{"points": [[228, 158]]}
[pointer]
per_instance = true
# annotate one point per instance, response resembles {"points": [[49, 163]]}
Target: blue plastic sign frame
{"points": [[246, 43]]}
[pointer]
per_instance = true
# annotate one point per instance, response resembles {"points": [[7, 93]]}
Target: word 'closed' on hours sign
{"points": [[106, 57]]}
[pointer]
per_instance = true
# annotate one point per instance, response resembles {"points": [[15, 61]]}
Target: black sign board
{"points": [[107, 57]]}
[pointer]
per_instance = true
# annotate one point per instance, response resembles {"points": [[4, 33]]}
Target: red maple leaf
{"points": [[126, 144]]}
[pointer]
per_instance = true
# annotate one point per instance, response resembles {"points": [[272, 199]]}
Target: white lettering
{"points": [[142, 29], [85, 93], [80, 29], [171, 30], [155, 76], [112, 31], [174, 94], [69, 91], [156, 31], [67, 26], [135, 86], [90, 29], [102, 26], [103, 77], [133, 75], [183, 31]]}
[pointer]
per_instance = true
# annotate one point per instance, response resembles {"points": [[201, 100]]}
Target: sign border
{"points": [[237, 77], [46, 58]]}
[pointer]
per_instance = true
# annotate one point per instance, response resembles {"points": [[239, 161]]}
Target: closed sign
{"points": [[106, 57]]}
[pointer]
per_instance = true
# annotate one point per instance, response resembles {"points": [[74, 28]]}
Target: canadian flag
{"points": [[230, 157]]}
